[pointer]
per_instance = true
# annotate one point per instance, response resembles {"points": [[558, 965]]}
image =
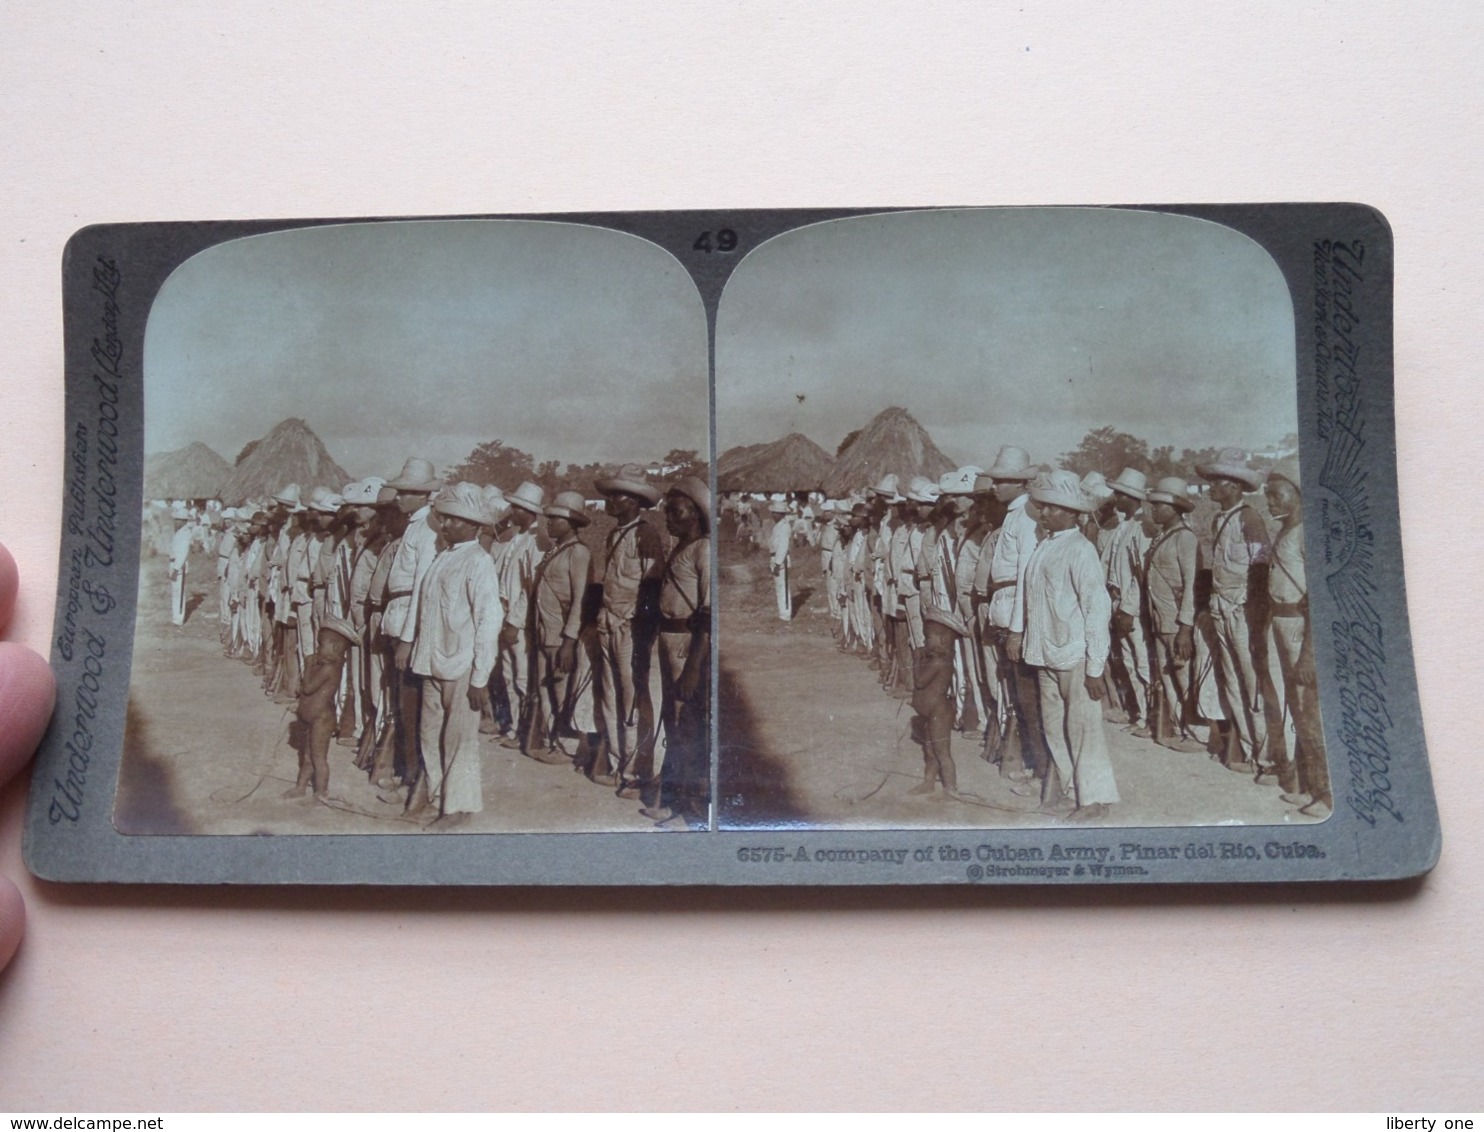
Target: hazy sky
{"points": [[1015, 326], [429, 337]]}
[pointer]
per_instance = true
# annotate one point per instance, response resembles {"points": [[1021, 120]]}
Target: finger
{"points": [[27, 692], [12, 921], [8, 582]]}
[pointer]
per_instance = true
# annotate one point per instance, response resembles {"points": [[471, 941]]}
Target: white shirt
{"points": [[1127, 544], [1012, 553], [781, 540], [1066, 605], [459, 615], [404, 581]]}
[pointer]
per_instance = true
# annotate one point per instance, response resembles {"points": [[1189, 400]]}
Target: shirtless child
{"points": [[317, 717]]}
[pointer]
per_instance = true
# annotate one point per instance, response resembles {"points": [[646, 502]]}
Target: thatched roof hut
{"points": [[892, 442], [794, 463], [192, 472], [291, 453]]}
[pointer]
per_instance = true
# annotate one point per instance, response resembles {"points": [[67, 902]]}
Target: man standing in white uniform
{"points": [[1066, 615], [456, 642], [780, 542], [180, 552]]}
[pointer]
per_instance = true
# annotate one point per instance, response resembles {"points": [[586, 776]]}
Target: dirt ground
{"points": [[207, 752], [809, 737]]}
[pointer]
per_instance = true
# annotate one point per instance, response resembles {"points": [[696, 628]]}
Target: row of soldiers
{"points": [[407, 617], [1026, 607]]}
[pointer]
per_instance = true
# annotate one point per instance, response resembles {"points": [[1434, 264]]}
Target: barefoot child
{"points": [[317, 688], [932, 698]]}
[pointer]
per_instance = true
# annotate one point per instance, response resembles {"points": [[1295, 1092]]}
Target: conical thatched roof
{"points": [[794, 463], [291, 453], [192, 472], [892, 442]]}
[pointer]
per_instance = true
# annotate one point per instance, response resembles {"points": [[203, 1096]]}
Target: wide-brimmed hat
{"points": [[922, 490], [289, 497], [178, 510], [386, 494], [1287, 469], [463, 501], [1095, 486], [695, 490], [496, 506], [960, 482], [1011, 463], [363, 493], [1061, 489], [417, 475], [325, 501], [1174, 490], [339, 625], [1231, 464], [946, 617], [569, 505], [1131, 482], [630, 481], [528, 497], [778, 507], [888, 486], [860, 511]]}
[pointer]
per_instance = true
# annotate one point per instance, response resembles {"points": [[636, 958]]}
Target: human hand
{"points": [[1013, 647], [402, 655], [1184, 644], [1094, 686], [566, 657], [479, 697], [27, 692]]}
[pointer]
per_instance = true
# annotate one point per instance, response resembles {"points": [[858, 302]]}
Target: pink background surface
{"points": [[153, 999]]}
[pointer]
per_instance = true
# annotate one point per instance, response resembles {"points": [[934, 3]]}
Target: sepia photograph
{"points": [[1010, 527], [424, 538]]}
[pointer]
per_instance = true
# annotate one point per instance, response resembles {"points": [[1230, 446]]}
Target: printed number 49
{"points": [[726, 241]]}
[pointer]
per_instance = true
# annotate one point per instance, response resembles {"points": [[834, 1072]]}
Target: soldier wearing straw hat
{"points": [[632, 567], [414, 485], [1294, 682], [1123, 550], [780, 544], [562, 689], [1065, 616], [1169, 597], [456, 644], [180, 552], [1024, 753], [1239, 556], [519, 557], [684, 645]]}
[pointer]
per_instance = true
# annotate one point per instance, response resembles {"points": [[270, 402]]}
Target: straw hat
{"points": [[1061, 489], [887, 486], [778, 507], [363, 493], [325, 501], [417, 475], [946, 617], [1231, 464], [463, 501], [1288, 469], [571, 506], [922, 490], [1011, 464], [1095, 486], [339, 625], [289, 497], [386, 494], [1174, 490], [528, 497], [630, 481], [1131, 482], [960, 482], [496, 506], [694, 490]]}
